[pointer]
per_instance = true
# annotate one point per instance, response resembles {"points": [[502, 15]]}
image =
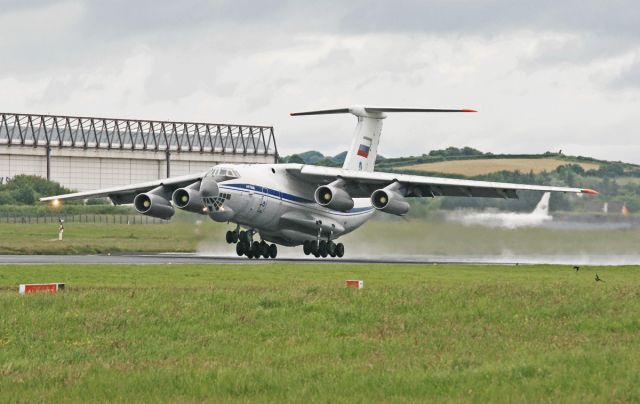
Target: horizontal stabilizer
{"points": [[374, 110], [322, 112], [377, 109]]}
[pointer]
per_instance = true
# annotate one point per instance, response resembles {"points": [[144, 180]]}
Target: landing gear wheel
{"points": [[229, 237], [331, 248], [339, 250], [240, 249], [255, 249], [306, 247], [322, 249], [264, 249], [273, 251], [313, 248], [234, 237], [245, 236]]}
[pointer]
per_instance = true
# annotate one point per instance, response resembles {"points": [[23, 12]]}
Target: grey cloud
{"points": [[628, 77]]}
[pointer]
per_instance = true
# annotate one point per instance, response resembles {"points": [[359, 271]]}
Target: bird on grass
{"points": [[577, 268], [598, 279]]}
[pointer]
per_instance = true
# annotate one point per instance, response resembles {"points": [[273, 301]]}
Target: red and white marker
{"points": [[354, 283], [40, 287]]}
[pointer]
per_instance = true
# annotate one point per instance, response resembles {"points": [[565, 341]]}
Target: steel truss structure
{"points": [[133, 134]]}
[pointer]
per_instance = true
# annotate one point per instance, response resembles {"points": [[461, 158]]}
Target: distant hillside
{"points": [[487, 166]]}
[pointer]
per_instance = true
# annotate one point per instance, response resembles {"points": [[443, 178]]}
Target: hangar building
{"points": [[84, 153]]}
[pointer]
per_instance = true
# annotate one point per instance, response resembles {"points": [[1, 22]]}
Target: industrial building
{"points": [[84, 153]]}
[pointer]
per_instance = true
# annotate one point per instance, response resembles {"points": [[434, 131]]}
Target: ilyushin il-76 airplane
{"points": [[299, 204]]}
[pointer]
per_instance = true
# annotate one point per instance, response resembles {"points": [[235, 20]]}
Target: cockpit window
{"points": [[223, 173]]}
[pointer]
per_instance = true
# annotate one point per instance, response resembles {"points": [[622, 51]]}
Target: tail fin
{"points": [[542, 208], [364, 146]]}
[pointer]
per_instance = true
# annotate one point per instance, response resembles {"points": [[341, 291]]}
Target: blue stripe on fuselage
{"points": [[285, 196]]}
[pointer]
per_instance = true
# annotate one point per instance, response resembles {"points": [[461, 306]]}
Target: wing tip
{"points": [[589, 191]]}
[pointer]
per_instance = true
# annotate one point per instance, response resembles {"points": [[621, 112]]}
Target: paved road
{"points": [[220, 259]]}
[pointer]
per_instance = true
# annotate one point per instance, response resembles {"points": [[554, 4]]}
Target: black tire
{"points": [[313, 247], [306, 247], [240, 249], [255, 249], [331, 248], [264, 249], [339, 250], [234, 237], [245, 236], [273, 251], [322, 249], [229, 237]]}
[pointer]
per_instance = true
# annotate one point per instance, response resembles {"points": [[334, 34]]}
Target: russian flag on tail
{"points": [[363, 151]]}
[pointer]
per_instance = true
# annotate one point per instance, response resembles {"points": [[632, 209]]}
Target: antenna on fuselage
{"points": [[364, 146]]}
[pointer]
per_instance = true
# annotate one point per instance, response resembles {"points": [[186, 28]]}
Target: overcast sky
{"points": [[544, 75]]}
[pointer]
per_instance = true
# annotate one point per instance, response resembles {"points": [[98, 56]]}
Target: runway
{"points": [[194, 258]]}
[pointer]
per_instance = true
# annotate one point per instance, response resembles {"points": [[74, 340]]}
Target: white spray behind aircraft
{"points": [[509, 220], [298, 204]]}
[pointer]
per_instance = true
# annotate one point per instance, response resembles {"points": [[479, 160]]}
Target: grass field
{"points": [[487, 166], [274, 332], [90, 238]]}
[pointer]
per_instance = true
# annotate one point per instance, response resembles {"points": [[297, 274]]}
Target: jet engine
{"points": [[209, 187], [153, 205], [189, 198], [390, 200], [333, 196]]}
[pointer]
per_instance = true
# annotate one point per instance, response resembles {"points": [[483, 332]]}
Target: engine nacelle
{"points": [[333, 197], [153, 205], [209, 187], [189, 199], [388, 200]]}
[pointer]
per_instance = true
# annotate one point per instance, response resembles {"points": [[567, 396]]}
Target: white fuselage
{"points": [[281, 208]]}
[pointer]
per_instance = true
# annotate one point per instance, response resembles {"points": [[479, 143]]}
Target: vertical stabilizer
{"points": [[364, 146], [362, 154], [542, 208]]}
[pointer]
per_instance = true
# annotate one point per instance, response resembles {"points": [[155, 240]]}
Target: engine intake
{"points": [[153, 205], [189, 199], [334, 197], [389, 200]]}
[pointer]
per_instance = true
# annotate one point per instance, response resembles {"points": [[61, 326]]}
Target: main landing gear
{"points": [[323, 248], [251, 249]]}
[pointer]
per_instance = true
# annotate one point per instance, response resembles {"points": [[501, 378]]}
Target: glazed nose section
{"points": [[209, 187]]}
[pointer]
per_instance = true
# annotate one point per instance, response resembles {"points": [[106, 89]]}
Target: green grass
{"points": [[90, 238], [276, 332]]}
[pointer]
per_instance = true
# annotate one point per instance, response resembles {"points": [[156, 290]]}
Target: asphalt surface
{"points": [[193, 258], [202, 259]]}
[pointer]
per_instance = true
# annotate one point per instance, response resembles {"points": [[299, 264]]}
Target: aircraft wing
{"points": [[125, 194], [360, 184]]}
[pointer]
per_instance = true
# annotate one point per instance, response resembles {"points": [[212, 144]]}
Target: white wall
{"points": [[88, 169]]}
